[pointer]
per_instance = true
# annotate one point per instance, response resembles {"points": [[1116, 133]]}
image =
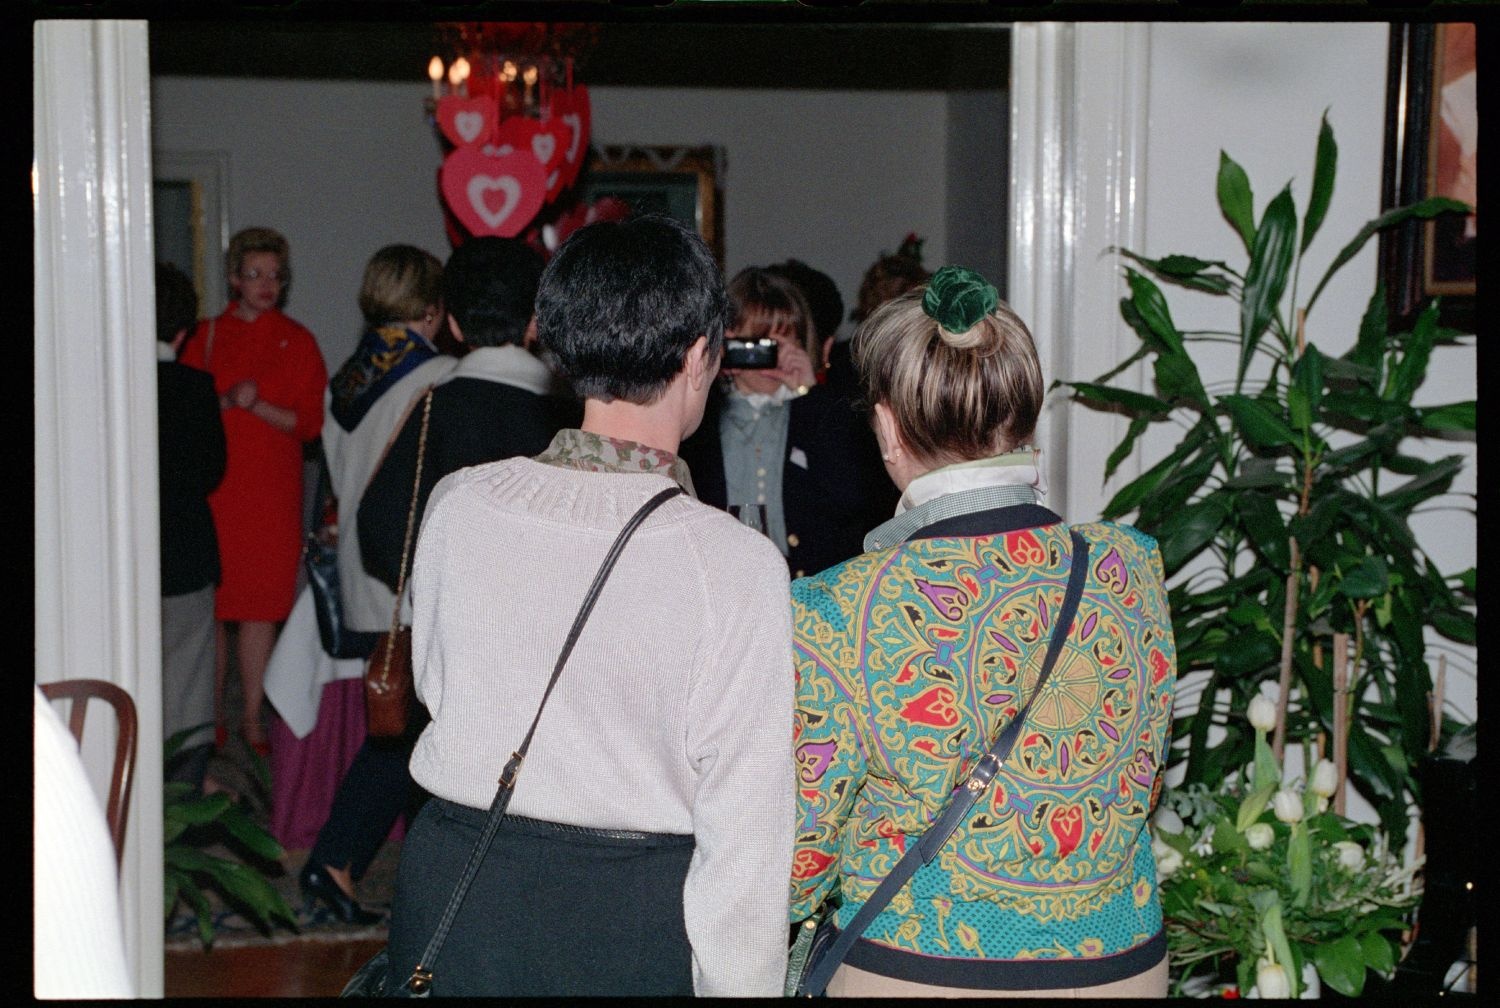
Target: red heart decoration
{"points": [[570, 110], [493, 194], [466, 122], [1067, 828]]}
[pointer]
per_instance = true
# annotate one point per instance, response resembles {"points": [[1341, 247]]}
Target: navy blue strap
{"points": [[963, 797]]}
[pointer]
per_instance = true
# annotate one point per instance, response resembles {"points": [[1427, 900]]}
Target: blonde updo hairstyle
{"points": [[955, 397]]}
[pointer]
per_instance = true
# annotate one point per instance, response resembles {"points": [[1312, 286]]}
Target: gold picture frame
{"points": [[681, 182]]}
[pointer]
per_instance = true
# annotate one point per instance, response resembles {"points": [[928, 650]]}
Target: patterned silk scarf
{"points": [[383, 357]]}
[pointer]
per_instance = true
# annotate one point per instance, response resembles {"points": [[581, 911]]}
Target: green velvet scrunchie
{"points": [[957, 298]]}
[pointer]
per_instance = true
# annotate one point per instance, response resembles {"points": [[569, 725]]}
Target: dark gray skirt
{"points": [[555, 911]]}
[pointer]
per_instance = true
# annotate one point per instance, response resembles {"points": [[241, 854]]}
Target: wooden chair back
{"points": [[79, 692]]}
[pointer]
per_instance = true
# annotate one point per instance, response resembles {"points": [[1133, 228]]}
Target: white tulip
{"points": [[1351, 855], [1167, 821], [1260, 836], [1168, 860], [1287, 805], [1262, 712], [1325, 778], [1271, 981]]}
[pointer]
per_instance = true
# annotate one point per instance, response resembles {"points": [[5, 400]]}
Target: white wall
{"points": [[342, 168]]}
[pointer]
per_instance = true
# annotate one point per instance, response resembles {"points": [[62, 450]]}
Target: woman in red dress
{"points": [[270, 376]]}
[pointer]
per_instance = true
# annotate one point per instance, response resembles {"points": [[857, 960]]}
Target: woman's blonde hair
{"points": [[954, 396], [257, 239], [401, 282]]}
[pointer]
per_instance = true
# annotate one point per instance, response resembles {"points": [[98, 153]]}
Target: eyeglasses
{"points": [[275, 276]]}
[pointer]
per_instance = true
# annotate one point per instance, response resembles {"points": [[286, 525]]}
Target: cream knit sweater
{"points": [[674, 713]]}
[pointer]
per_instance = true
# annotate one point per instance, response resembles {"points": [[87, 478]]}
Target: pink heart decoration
{"points": [[466, 121], [570, 109], [493, 195]]}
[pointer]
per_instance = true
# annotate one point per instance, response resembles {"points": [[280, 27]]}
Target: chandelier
{"points": [[513, 120]]}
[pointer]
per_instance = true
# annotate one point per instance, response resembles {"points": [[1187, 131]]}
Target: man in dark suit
{"points": [[191, 458]]}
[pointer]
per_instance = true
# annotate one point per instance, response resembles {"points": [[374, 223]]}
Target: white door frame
{"points": [[98, 608]]}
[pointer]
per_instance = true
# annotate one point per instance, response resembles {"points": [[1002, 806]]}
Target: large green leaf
{"points": [[1177, 379], [1367, 580], [1407, 376], [1369, 347], [1456, 625], [1459, 416], [1265, 280], [1424, 210], [251, 833], [1129, 497], [197, 811], [1186, 271], [1432, 483], [1152, 306], [1133, 402], [1322, 190], [1257, 425], [1235, 199], [1264, 527], [1122, 450], [1341, 965], [1305, 394], [1378, 952]]}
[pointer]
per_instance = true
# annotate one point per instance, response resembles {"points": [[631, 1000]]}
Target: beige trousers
{"points": [[851, 982]]}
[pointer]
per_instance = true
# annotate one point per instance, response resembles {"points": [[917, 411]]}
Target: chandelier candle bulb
{"points": [[435, 73]]}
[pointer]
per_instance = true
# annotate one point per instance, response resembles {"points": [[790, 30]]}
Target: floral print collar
{"points": [[578, 449]]}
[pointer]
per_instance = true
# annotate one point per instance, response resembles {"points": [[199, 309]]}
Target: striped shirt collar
{"points": [[960, 489]]}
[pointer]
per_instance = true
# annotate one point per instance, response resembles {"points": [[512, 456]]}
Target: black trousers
{"points": [[552, 912], [375, 790]]}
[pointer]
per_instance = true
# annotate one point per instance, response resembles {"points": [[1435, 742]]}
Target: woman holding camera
{"points": [[788, 455], [914, 658]]}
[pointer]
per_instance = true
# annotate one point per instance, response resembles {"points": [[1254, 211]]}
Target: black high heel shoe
{"points": [[318, 887]]}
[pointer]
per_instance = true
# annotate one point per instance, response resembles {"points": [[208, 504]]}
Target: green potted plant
{"points": [[195, 826], [1283, 510], [1263, 882]]}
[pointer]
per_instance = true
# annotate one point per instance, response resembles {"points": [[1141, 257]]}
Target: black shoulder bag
{"points": [[370, 981], [816, 957]]}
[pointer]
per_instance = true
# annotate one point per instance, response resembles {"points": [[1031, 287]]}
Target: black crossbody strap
{"points": [[963, 796], [421, 978]]}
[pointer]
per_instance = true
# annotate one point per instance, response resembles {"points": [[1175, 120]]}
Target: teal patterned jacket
{"points": [[909, 661]]}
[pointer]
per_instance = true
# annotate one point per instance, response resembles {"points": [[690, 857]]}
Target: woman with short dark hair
{"points": [[914, 657], [648, 843]]}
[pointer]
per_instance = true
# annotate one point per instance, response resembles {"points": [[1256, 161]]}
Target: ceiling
{"points": [[901, 56]]}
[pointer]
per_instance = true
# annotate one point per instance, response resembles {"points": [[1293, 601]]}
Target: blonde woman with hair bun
{"points": [[919, 661]]}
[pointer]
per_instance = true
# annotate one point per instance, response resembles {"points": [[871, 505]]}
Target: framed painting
{"points": [[190, 220], [681, 182], [1432, 129]]}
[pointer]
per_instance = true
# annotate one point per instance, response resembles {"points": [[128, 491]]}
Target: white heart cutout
{"points": [[575, 126], [481, 185], [468, 125], [551, 181], [543, 145]]}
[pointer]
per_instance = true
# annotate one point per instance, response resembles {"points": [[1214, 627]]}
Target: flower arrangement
{"points": [[1260, 874]]}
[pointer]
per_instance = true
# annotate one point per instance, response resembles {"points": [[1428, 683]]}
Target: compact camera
{"points": [[757, 352]]}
